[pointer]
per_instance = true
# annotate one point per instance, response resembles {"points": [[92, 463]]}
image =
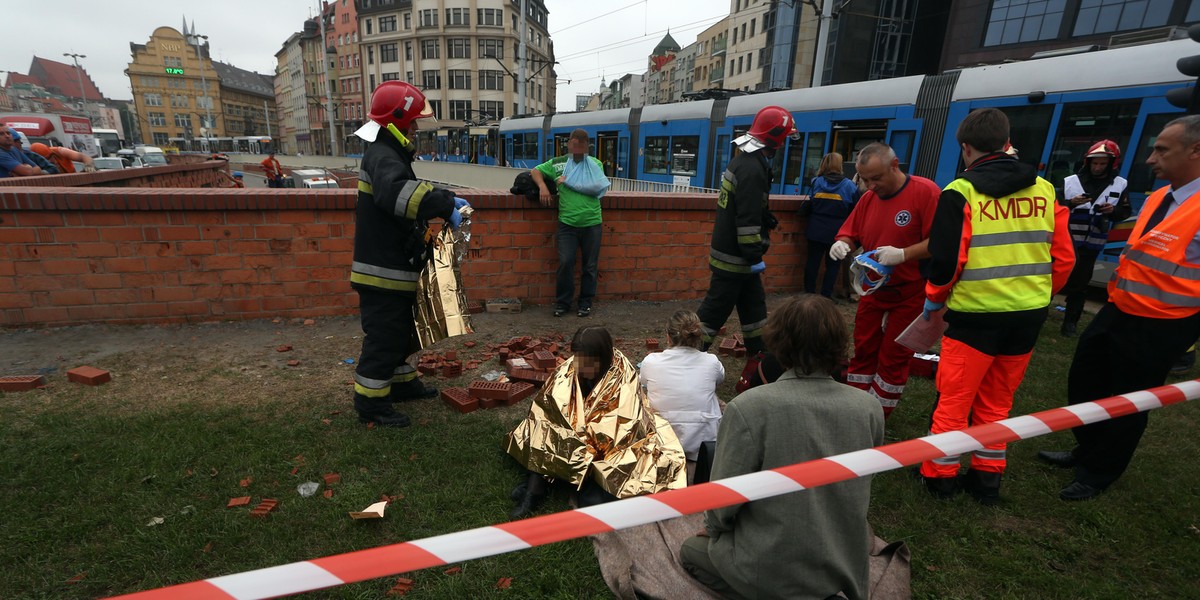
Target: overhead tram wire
{"points": [[585, 22], [634, 40]]}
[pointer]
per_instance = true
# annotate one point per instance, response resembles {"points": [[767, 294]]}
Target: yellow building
{"points": [[178, 88]]}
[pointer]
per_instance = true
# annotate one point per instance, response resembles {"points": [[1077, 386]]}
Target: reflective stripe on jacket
{"points": [[1153, 278], [1008, 245]]}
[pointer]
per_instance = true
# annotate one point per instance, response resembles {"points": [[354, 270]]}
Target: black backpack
{"points": [[524, 185]]}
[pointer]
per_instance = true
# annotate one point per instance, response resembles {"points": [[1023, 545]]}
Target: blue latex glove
{"points": [[931, 307], [455, 219], [759, 268], [459, 203]]}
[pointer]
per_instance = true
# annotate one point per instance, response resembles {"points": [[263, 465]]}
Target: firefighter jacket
{"points": [[741, 233], [1000, 245], [1089, 229], [1154, 278], [391, 217]]}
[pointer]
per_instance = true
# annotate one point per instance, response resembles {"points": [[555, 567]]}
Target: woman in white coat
{"points": [[681, 383]]}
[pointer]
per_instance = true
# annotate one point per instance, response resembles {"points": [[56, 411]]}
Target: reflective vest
{"points": [[1154, 278], [1008, 259], [1088, 229]]}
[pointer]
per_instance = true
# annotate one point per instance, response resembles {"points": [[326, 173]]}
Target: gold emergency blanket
{"points": [[611, 435], [441, 307]]}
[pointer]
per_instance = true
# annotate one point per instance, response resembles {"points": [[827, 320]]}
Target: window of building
{"points": [[341, 39], [735, 35], [407, 21], [493, 110], [368, 21], [345, 17], [429, 17], [1106, 16], [743, 32], [205, 102], [179, 101], [391, 76], [160, 139], [459, 79], [158, 119], [752, 27], [458, 17], [153, 99], [1013, 21], [749, 61], [183, 121], [353, 37], [491, 80], [370, 55], [489, 17], [739, 69], [388, 53], [460, 110], [458, 48], [175, 82], [387, 24], [436, 105], [408, 76], [430, 49], [371, 81], [408, 51], [431, 80], [491, 48]]}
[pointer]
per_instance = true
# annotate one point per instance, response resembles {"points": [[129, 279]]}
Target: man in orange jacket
{"points": [[1000, 248], [273, 171], [1152, 314], [63, 158]]}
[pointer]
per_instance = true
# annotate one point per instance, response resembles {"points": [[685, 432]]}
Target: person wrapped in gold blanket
{"points": [[591, 426]]}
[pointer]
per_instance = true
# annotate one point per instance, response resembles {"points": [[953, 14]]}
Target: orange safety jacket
{"points": [[1153, 278], [63, 163], [272, 168]]}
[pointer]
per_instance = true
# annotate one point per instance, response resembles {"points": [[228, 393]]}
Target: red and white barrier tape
{"points": [[509, 537]]}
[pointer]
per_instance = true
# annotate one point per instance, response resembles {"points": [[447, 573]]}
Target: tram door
{"points": [[560, 144], [849, 138], [606, 151]]}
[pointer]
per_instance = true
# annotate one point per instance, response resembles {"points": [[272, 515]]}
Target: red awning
{"points": [[35, 126]]}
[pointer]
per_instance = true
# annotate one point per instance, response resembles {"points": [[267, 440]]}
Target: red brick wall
{"points": [[70, 256], [193, 173]]}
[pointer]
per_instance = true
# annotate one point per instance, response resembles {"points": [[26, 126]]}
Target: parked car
{"points": [[109, 163]]}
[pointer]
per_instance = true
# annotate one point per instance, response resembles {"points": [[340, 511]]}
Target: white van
{"points": [[152, 156], [315, 178]]}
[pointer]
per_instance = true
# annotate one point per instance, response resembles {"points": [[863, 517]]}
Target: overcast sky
{"points": [[588, 42]]}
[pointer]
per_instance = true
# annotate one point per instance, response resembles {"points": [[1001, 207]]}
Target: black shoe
{"points": [[518, 492], [559, 311], [411, 390], [1068, 330], [529, 501], [584, 311], [393, 419], [1065, 460], [1184, 363], [1079, 491], [983, 486], [942, 488]]}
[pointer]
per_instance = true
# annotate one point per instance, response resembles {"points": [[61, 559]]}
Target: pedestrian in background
{"points": [[833, 197]]}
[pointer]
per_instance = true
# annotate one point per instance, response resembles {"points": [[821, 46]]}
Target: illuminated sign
{"points": [[173, 71]]}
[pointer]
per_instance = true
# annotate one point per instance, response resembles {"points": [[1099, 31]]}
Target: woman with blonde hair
{"points": [[833, 197], [681, 383]]}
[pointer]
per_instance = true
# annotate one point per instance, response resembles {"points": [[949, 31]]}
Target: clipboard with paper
{"points": [[921, 335]]}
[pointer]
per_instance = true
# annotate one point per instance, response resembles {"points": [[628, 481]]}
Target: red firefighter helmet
{"points": [[772, 125], [394, 103], [1105, 149]]}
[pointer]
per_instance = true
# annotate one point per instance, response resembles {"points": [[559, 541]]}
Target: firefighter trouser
{"points": [[727, 291], [389, 336], [1120, 353], [978, 374], [880, 365]]}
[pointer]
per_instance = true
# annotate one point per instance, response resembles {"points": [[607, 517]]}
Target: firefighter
{"points": [[390, 250], [891, 220], [1000, 249], [741, 232], [1152, 315], [1096, 198]]}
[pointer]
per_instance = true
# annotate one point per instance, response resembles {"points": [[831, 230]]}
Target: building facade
{"points": [[345, 70], [290, 96], [747, 40], [463, 55], [709, 71]]}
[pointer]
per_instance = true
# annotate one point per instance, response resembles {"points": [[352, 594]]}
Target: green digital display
{"points": [[173, 71]]}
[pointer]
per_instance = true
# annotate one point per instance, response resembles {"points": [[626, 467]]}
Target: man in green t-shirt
{"points": [[578, 225]]}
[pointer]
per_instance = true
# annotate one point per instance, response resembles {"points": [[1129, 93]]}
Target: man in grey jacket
{"points": [[814, 543]]}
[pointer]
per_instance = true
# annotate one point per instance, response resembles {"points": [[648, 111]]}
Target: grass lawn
{"points": [[192, 412]]}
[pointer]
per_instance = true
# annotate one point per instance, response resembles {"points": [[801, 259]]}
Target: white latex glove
{"points": [[889, 256], [839, 250]]}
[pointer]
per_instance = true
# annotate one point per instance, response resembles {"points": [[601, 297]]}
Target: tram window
{"points": [[813, 154], [1141, 178], [1027, 127], [525, 146], [902, 144], [1083, 124], [656, 155], [683, 154], [793, 174]]}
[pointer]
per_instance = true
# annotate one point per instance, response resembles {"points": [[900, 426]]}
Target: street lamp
{"points": [[79, 73], [208, 123]]}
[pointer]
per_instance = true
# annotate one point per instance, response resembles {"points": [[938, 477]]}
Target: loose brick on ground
{"points": [[489, 390], [21, 383], [239, 501], [332, 478], [519, 391], [89, 375], [460, 400]]}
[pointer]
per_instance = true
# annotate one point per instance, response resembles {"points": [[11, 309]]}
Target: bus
{"points": [[109, 141]]}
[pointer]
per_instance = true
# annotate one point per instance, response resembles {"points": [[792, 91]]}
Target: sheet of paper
{"points": [[374, 511], [921, 335]]}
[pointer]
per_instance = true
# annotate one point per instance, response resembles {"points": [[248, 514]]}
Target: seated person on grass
{"points": [[682, 381]]}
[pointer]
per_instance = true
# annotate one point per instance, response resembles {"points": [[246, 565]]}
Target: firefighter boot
{"points": [[411, 390], [379, 411], [983, 486], [528, 496]]}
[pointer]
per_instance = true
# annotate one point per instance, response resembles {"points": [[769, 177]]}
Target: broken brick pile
{"points": [[733, 346], [528, 362]]}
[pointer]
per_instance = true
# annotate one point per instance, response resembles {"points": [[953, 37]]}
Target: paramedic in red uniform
{"points": [[892, 218], [1001, 248]]}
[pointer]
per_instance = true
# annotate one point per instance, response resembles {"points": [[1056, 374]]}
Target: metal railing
{"points": [[633, 185]]}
